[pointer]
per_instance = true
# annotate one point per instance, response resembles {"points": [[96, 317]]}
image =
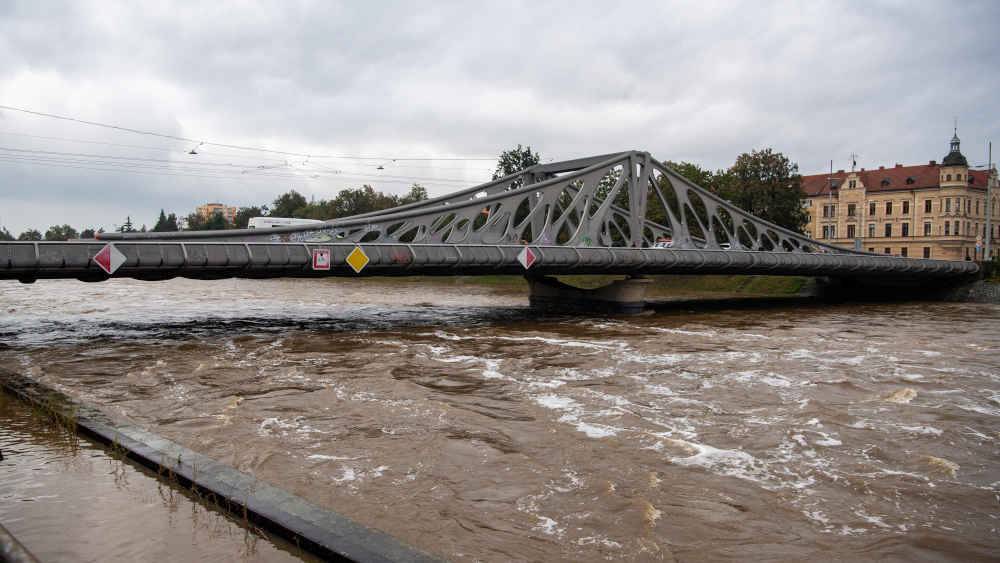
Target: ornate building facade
{"points": [[925, 211]]}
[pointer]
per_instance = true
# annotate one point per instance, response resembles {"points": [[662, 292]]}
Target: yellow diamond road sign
{"points": [[357, 259]]}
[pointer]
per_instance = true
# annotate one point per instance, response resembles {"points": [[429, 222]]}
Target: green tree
{"points": [[165, 223], [5, 234], [287, 203], [417, 193], [127, 226], [216, 222], [88, 233], [765, 184], [30, 234], [61, 232], [515, 160], [244, 214]]}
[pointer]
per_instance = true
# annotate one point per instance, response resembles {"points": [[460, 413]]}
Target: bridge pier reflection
{"points": [[627, 296]]}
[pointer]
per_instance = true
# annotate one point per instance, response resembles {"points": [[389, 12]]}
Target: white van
{"points": [[269, 222]]}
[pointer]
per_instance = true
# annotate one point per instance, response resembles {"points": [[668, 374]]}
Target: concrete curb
{"points": [[313, 528], [11, 550]]}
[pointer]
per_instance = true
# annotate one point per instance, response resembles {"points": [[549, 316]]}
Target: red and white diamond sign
{"points": [[526, 257], [109, 258], [321, 259]]}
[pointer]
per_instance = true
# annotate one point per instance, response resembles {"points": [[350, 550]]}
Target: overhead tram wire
{"points": [[207, 175], [229, 155], [243, 168], [231, 146]]}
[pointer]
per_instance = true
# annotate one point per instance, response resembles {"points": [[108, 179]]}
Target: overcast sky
{"points": [[700, 82]]}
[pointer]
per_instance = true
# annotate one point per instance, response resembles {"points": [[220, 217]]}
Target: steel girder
{"points": [[622, 199]]}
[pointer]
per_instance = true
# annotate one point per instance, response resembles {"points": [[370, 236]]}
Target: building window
{"points": [[968, 206], [826, 231], [902, 252], [958, 176], [906, 207], [851, 208], [927, 229], [927, 206], [904, 230], [927, 252], [852, 184], [947, 228], [871, 208], [833, 231], [910, 181], [977, 207], [948, 178], [888, 250], [871, 230], [947, 205], [888, 208], [850, 231], [872, 250], [888, 229]]}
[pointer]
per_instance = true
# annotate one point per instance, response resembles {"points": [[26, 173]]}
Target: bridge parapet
{"points": [[28, 261]]}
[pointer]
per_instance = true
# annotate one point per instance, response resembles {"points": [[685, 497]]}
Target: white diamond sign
{"points": [[109, 258], [526, 257]]}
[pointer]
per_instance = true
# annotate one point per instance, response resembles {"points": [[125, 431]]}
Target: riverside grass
{"points": [[661, 286]]}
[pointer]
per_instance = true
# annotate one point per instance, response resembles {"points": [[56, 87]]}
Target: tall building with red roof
{"points": [[924, 211]]}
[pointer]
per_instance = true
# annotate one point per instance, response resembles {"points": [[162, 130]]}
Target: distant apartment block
{"points": [[925, 211], [228, 211]]}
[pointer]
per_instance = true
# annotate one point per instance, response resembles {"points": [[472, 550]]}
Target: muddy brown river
{"points": [[456, 419]]}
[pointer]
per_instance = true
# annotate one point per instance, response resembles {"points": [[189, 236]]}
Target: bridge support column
{"points": [[626, 296]]}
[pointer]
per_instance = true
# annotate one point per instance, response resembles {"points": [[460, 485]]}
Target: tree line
{"points": [[289, 204]]}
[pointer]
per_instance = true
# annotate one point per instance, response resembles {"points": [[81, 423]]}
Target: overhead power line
{"points": [[230, 146]]}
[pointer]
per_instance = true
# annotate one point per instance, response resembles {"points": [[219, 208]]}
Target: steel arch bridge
{"points": [[600, 214]]}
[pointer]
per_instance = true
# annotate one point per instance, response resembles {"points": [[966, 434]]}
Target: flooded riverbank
{"points": [[67, 499], [457, 420]]}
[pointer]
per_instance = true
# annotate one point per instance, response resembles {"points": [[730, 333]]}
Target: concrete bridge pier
{"points": [[627, 296]]}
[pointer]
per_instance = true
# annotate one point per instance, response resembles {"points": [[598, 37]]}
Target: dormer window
{"points": [[972, 179], [910, 181], [852, 184], [885, 182]]}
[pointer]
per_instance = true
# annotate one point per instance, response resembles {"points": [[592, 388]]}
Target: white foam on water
{"points": [[734, 463], [657, 389], [269, 426], [827, 440], [348, 475], [817, 516], [592, 430], [876, 520], [332, 457], [707, 334], [928, 353], [556, 402], [549, 526], [592, 540], [559, 342]]}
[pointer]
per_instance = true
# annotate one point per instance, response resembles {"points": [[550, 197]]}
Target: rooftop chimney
{"points": [[881, 167], [898, 165], [932, 163], [840, 171]]}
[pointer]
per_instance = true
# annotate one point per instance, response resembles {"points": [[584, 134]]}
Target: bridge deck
{"points": [[28, 261]]}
